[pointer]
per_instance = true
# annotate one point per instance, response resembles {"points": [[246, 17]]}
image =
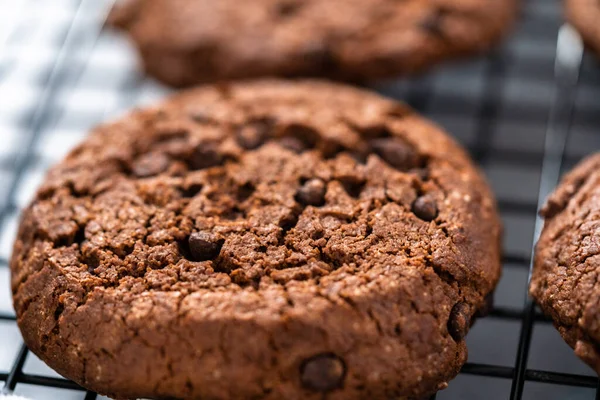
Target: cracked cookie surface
{"points": [[584, 15], [298, 240], [567, 260], [185, 42]]}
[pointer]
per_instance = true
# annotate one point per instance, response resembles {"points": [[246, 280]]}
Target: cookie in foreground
{"points": [[567, 260], [261, 240], [185, 42]]}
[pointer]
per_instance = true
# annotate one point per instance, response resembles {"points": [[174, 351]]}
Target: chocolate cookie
{"points": [[567, 261], [185, 42], [585, 16], [264, 240]]}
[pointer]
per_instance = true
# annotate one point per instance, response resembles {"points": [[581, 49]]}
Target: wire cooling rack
{"points": [[61, 73]]}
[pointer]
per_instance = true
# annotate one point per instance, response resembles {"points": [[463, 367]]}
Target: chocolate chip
{"points": [[245, 191], [150, 164], [304, 133], [323, 373], [396, 152], [330, 149], [254, 133], [459, 321], [353, 186], [425, 208], [293, 144], [191, 190], [312, 193], [204, 246], [321, 56], [206, 156], [288, 8], [376, 132]]}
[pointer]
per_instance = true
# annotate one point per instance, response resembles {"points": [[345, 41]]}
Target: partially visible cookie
{"points": [[185, 42], [263, 240], [585, 16], [566, 276]]}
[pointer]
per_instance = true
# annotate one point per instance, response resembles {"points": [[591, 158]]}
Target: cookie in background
{"points": [[186, 42], [567, 260]]}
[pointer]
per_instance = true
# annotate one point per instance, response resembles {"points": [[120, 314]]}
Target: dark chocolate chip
{"points": [[459, 321], [206, 156], [304, 133], [289, 221], [376, 132], [191, 190], [353, 186], [245, 191], [396, 152], [312, 193], [293, 144], [288, 8], [425, 208], [205, 246], [321, 56], [150, 164], [323, 373], [330, 149], [255, 133]]}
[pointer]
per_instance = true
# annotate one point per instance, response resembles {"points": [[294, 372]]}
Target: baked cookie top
{"points": [[567, 260], [585, 16], [264, 239], [184, 42]]}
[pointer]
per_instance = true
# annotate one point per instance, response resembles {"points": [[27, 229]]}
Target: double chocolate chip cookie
{"points": [[585, 16], [262, 240], [567, 261], [185, 42]]}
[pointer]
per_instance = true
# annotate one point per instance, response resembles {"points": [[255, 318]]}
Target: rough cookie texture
{"points": [[184, 42], [585, 16], [263, 240], [567, 260]]}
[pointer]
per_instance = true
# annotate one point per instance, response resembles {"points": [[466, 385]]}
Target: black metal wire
{"points": [[489, 108], [16, 370], [90, 396], [7, 317], [519, 377], [567, 69]]}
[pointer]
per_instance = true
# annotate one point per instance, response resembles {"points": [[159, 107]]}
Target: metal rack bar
{"points": [[16, 370], [569, 55], [7, 317], [90, 396], [487, 113]]}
